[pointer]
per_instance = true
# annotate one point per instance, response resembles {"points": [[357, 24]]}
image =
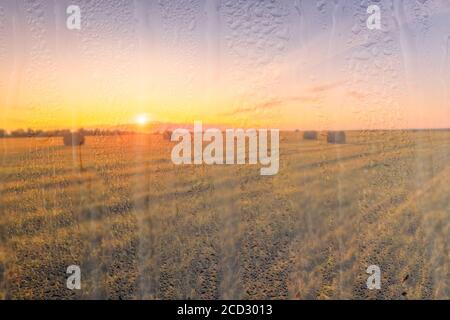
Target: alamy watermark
{"points": [[374, 280], [235, 145], [73, 21], [74, 280], [374, 20]]}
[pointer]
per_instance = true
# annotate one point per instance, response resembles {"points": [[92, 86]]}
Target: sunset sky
{"points": [[275, 64]]}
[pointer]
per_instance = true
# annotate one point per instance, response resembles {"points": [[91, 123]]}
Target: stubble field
{"points": [[142, 228]]}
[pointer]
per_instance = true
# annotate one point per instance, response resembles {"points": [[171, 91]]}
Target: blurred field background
{"points": [[143, 228]]}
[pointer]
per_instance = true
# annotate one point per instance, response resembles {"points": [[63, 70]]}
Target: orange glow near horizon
{"points": [[103, 97], [103, 80]]}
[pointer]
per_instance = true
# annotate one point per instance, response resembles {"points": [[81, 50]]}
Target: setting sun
{"points": [[142, 119]]}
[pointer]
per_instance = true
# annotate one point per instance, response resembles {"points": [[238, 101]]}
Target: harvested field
{"points": [[142, 228]]}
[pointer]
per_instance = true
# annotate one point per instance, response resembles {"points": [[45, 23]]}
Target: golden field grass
{"points": [[143, 228]]}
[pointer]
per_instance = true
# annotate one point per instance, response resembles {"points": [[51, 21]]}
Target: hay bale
{"points": [[310, 135], [167, 135], [336, 137], [72, 139]]}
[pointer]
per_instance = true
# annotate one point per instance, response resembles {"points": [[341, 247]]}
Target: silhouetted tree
{"points": [[20, 133]]}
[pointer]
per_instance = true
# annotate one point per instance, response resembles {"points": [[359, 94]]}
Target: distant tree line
{"points": [[30, 133]]}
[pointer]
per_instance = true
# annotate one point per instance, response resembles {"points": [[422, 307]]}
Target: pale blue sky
{"points": [[296, 63]]}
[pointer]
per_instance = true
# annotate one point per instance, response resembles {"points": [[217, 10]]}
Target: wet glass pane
{"points": [[224, 149]]}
